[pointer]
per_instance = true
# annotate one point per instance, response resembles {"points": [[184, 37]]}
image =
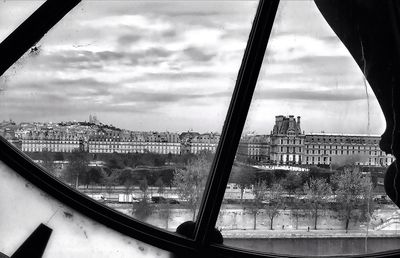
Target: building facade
{"points": [[289, 146], [287, 141], [254, 148], [327, 149], [204, 142], [40, 142], [122, 142]]}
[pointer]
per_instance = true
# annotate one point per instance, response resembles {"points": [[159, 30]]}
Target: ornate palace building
{"points": [[287, 141], [290, 146]]}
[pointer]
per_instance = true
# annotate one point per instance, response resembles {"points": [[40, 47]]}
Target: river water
{"points": [[316, 246]]}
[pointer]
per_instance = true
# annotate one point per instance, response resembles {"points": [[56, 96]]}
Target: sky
{"points": [[172, 65]]}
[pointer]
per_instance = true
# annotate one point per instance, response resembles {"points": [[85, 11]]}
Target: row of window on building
{"points": [[286, 145], [106, 146]]}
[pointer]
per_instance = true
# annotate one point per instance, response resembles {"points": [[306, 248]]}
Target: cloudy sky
{"points": [[172, 66]]}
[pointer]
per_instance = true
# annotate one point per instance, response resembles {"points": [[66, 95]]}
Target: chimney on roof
{"points": [[278, 123], [298, 125], [291, 122]]}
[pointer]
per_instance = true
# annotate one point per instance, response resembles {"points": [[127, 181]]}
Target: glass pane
{"points": [[13, 13], [125, 101], [24, 207], [311, 136]]}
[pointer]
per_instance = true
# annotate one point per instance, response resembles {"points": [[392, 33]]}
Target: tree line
{"points": [[312, 191], [345, 190], [118, 169]]}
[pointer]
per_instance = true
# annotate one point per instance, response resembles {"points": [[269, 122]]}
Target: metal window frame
{"points": [[36, 26]]}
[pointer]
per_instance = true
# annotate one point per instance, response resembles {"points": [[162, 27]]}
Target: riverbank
{"points": [[239, 223], [307, 247], [262, 234]]}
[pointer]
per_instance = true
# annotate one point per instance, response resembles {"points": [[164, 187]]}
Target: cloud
{"points": [[311, 95], [166, 96], [128, 39], [91, 92], [174, 64], [197, 54], [92, 60], [178, 76]]}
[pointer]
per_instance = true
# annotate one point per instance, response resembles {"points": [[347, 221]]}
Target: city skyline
{"points": [[166, 66], [266, 132], [286, 144]]}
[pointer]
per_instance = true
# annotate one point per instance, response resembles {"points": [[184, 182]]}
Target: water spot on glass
{"points": [[68, 215]]}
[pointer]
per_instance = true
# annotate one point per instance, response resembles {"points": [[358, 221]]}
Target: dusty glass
{"points": [[13, 13], [125, 101]]}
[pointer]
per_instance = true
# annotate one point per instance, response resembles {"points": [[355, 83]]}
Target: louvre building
{"points": [[288, 145]]}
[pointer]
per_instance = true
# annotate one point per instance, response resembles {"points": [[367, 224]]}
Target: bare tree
{"points": [[293, 185], [242, 179], [128, 187], [144, 186], [144, 208], [297, 207], [352, 194], [190, 182], [77, 167], [273, 199], [369, 207], [160, 184], [259, 190], [164, 209], [48, 160], [316, 192]]}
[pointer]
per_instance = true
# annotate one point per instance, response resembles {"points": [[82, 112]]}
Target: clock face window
{"points": [[125, 101]]}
